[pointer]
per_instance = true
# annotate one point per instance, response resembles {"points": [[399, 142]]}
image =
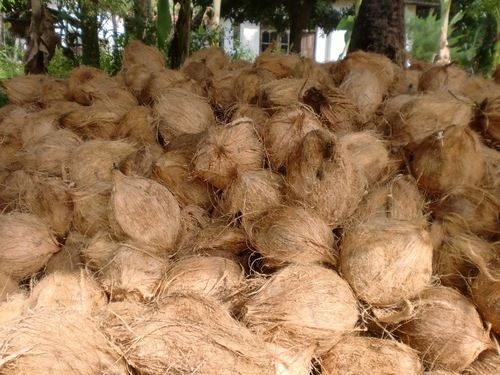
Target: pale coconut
{"points": [[7, 286], [224, 151], [257, 114], [488, 118], [94, 122], [99, 251], [488, 363], [26, 244], [309, 69], [90, 209], [248, 82], [221, 91], [281, 66], [13, 307], [387, 260], [37, 125], [478, 88], [280, 310], [486, 296], [68, 259], [34, 89], [197, 71], [213, 57], [368, 355], [137, 52], [138, 126], [284, 92], [444, 78], [445, 329], [86, 83], [168, 79], [141, 162]]}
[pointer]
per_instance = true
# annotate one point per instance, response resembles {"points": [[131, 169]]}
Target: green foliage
{"points": [[60, 66], [10, 66], [111, 56], [203, 37], [163, 23], [241, 52], [422, 35]]}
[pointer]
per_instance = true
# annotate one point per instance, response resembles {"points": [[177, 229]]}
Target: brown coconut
{"points": [[51, 153], [446, 329], [257, 114], [86, 83], [443, 78], [406, 82], [478, 88], [26, 245], [474, 209], [282, 66], [172, 169], [138, 126], [221, 91], [211, 277], [90, 209], [387, 260], [488, 363], [492, 160], [7, 287], [98, 252], [488, 118], [72, 291], [368, 355], [68, 259], [248, 82], [251, 194], [34, 89], [94, 122], [175, 120], [58, 342], [284, 132], [486, 296], [164, 81], [325, 178], [448, 158], [93, 161], [188, 334], [376, 63], [14, 187], [421, 115], [132, 273], [280, 310], [213, 57], [309, 69], [293, 235], [224, 151], [141, 162], [37, 125], [137, 52], [285, 92], [145, 211], [200, 73]]}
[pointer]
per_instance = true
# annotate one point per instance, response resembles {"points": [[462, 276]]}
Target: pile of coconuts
{"points": [[278, 217]]}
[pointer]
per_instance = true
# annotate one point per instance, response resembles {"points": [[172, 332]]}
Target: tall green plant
{"points": [[163, 23]]}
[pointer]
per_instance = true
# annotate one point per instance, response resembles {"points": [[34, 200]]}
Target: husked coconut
{"points": [[99, 251], [186, 334], [486, 296], [75, 291], [12, 309], [448, 158], [94, 122], [145, 211], [68, 258], [491, 157], [86, 83], [38, 124], [387, 260], [7, 286], [478, 88], [221, 91], [281, 66], [406, 82], [198, 72], [293, 235], [488, 363], [248, 82], [138, 126], [309, 69], [58, 341], [227, 150], [26, 244], [90, 209], [368, 355], [257, 114], [302, 307], [168, 79], [137, 52], [213, 57], [140, 162], [284, 92], [325, 178], [375, 63], [284, 132], [445, 329], [34, 89], [443, 78], [488, 118]]}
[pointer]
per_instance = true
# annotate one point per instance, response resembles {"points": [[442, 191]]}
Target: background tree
{"points": [[179, 48], [90, 32]]}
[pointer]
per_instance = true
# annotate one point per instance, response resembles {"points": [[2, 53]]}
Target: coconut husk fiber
{"points": [[280, 310], [141, 162], [213, 57], [207, 276], [491, 178], [368, 355], [34, 89], [189, 334], [257, 114], [292, 362], [75, 291], [488, 363], [38, 124], [448, 158], [337, 111], [488, 119], [308, 68], [251, 194], [68, 259], [443, 78], [406, 82], [200, 73], [248, 82], [284, 132], [90, 209], [387, 260], [422, 115], [86, 83], [8, 286], [164, 81], [138, 53], [133, 273], [119, 101], [98, 251], [26, 245], [226, 150], [12, 309], [324, 178], [221, 91], [486, 296], [93, 122], [51, 153], [281, 66], [293, 235], [144, 211], [172, 169], [93, 161], [445, 329], [376, 63], [174, 120], [474, 209], [285, 92], [138, 126], [137, 78], [478, 88], [57, 341]]}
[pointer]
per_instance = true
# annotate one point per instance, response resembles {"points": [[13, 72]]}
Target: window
{"points": [[281, 40]]}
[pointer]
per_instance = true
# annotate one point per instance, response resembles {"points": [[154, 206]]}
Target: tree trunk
{"points": [[299, 12], [179, 49], [142, 19], [216, 18], [90, 32], [379, 27], [2, 30], [443, 56]]}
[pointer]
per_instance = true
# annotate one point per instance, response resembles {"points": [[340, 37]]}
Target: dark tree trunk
{"points": [[179, 49], [141, 23], [90, 32], [299, 12], [2, 30], [379, 28]]}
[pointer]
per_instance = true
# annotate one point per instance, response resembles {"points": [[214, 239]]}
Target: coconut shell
{"points": [[443, 78], [186, 334], [281, 66], [248, 82], [325, 178], [488, 118], [51, 153], [26, 244], [284, 132], [145, 211], [422, 115], [368, 355], [68, 259], [93, 161], [285, 92], [86, 83], [225, 151], [446, 329], [71, 291], [488, 363], [293, 235], [486, 296], [211, 277], [94, 122], [448, 158], [98, 252], [280, 310], [174, 120], [172, 169], [90, 209], [141, 162], [474, 209], [58, 342], [138, 126], [7, 287]]}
